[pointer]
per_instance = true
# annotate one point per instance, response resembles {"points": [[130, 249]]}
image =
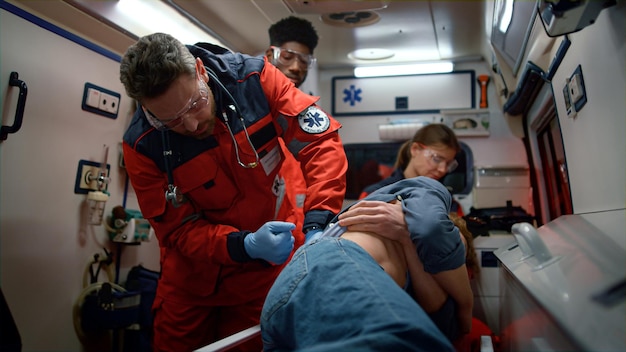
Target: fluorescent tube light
{"points": [[142, 17], [398, 70]]}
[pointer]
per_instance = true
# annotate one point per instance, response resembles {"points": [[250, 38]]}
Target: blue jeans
{"points": [[333, 296]]}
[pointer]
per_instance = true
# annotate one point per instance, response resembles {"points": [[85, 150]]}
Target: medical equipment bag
{"points": [[144, 281], [108, 308]]}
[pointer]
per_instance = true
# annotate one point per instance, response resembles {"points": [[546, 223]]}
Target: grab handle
{"points": [[19, 111], [531, 244]]}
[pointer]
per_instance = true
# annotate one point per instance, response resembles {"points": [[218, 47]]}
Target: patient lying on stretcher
{"points": [[444, 293], [333, 293]]}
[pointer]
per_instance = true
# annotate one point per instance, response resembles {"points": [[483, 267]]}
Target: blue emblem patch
{"points": [[313, 120]]}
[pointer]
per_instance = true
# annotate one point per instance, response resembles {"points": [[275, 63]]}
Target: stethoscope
{"points": [[173, 194]]}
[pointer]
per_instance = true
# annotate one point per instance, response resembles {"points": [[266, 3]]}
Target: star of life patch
{"points": [[313, 120]]}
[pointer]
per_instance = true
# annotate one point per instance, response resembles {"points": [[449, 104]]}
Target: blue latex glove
{"points": [[272, 242], [312, 235]]}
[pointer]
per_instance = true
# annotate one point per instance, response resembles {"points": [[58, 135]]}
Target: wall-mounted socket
{"points": [[88, 177], [575, 88], [577, 91], [108, 103], [100, 101]]}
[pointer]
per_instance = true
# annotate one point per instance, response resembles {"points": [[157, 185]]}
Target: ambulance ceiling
{"points": [[413, 30]]}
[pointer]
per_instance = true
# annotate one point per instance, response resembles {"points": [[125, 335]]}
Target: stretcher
{"points": [[232, 341], [225, 344]]}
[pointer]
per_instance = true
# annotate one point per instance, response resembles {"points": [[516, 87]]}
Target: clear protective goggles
{"points": [[436, 160], [286, 57], [196, 103]]}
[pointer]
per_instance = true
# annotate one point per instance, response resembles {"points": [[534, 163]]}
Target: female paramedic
{"points": [[345, 290], [431, 153], [204, 155]]}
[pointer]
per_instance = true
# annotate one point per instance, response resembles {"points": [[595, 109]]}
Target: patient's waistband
{"points": [[333, 230]]}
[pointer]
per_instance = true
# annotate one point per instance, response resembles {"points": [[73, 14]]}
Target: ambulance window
{"points": [[369, 163], [460, 180], [554, 168]]}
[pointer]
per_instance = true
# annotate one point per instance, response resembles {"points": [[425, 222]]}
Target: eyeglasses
{"points": [[286, 57], [437, 160], [192, 107]]}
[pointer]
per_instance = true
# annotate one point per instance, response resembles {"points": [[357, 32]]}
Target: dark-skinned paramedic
{"points": [[203, 156]]}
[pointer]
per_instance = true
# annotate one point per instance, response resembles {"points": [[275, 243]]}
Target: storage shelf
{"points": [[467, 122]]}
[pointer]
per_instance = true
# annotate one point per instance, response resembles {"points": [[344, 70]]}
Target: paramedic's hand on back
{"points": [[272, 242]]}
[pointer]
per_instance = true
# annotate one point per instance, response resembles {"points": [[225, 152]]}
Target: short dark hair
{"points": [[293, 29]]}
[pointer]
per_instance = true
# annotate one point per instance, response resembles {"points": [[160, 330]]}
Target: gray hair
{"points": [[150, 65]]}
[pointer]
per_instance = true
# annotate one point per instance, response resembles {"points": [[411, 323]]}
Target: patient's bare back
{"points": [[387, 253]]}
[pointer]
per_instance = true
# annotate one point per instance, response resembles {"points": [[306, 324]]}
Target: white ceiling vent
{"points": [[304, 7], [351, 19]]}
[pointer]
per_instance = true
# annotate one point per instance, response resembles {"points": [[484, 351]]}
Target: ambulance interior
{"points": [[535, 96]]}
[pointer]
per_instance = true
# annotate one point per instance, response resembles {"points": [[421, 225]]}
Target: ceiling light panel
{"points": [[332, 6]]}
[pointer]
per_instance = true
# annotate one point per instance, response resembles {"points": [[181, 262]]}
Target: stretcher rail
{"points": [[232, 340]]}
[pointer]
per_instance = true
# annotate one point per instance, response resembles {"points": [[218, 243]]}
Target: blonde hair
{"points": [[471, 260]]}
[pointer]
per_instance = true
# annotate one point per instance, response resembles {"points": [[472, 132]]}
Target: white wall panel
{"points": [[45, 243], [594, 140]]}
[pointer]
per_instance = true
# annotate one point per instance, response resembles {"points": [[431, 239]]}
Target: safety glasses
{"points": [[286, 57], [196, 103], [436, 160]]}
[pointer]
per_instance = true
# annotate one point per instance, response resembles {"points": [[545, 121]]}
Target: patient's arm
{"points": [[456, 283], [376, 216], [426, 290], [432, 290]]}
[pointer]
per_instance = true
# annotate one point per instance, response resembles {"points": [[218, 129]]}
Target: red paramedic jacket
{"points": [[203, 260]]}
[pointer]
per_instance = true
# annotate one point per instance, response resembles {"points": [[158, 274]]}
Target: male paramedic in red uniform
{"points": [[203, 156]]}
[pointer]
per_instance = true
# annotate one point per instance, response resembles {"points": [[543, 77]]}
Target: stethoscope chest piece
{"points": [[173, 195]]}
